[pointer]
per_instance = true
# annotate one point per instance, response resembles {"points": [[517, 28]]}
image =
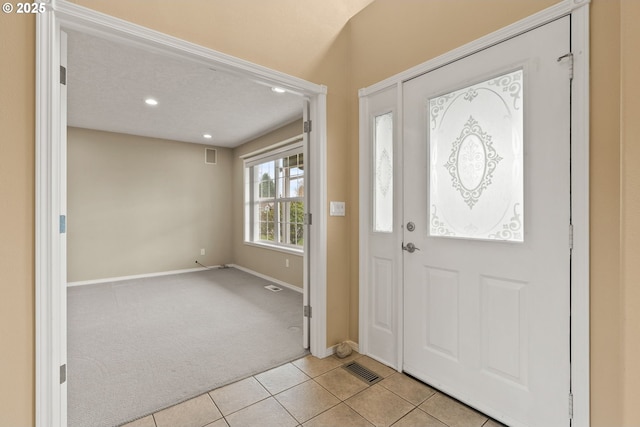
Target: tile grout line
{"points": [[406, 415], [311, 379], [364, 416], [414, 406], [217, 407], [244, 407], [402, 397], [271, 395], [288, 388], [287, 411], [433, 415], [340, 401], [456, 401], [337, 397]]}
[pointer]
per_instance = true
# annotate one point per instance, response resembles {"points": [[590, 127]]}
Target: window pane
{"points": [[296, 187], [383, 158], [296, 217], [266, 212], [265, 177], [291, 223], [293, 161], [476, 161]]}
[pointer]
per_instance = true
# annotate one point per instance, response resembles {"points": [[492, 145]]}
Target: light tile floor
{"points": [[313, 392]]}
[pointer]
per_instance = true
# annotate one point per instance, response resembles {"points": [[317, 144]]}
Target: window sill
{"points": [[284, 249]]}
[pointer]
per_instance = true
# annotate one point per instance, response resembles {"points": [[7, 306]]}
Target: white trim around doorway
{"points": [[580, 341], [50, 264]]}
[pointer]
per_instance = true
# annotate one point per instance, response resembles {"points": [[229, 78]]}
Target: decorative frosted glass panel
{"points": [[475, 148], [383, 182]]}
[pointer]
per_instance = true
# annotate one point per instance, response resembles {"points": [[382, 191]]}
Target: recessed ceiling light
{"points": [[207, 136], [278, 90], [151, 101]]}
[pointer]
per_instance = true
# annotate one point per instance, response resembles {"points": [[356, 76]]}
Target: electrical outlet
{"points": [[286, 262], [202, 251]]}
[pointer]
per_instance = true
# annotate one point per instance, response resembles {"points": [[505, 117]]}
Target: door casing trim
{"points": [[578, 10], [50, 271]]}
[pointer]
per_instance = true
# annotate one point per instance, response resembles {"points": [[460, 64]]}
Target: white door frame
{"points": [[50, 263], [580, 357]]}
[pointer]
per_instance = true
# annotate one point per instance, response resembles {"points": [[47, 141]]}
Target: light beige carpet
{"points": [[138, 346]]}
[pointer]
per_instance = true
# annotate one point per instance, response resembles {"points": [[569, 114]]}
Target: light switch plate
{"points": [[337, 208]]}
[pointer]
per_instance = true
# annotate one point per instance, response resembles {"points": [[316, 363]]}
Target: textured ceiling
{"points": [[108, 82]]}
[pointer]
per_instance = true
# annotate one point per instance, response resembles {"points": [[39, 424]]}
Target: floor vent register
{"points": [[362, 373]]}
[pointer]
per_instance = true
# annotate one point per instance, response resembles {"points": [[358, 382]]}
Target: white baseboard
{"points": [[137, 276], [264, 276], [187, 270]]}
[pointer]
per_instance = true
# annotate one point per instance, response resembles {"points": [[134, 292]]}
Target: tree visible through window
{"points": [[277, 200]]}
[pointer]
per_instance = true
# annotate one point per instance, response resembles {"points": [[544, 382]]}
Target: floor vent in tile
{"points": [[363, 373], [273, 288]]}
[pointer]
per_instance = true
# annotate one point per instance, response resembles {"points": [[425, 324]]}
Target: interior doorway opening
{"points": [[51, 186]]}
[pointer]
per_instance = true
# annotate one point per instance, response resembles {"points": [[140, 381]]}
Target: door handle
{"points": [[411, 248]]}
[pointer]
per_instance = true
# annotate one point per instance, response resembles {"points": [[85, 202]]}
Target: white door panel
{"points": [[382, 268], [486, 182]]}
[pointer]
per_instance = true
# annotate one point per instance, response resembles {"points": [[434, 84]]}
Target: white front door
{"points": [[487, 209]]}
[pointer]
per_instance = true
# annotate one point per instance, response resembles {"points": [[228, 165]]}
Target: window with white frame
{"points": [[274, 195]]}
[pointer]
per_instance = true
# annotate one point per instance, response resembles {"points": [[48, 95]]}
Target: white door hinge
{"points": [[571, 236], [307, 126], [570, 406], [306, 311], [63, 75]]}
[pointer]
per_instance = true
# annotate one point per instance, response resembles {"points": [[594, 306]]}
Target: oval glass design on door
{"points": [[383, 158], [471, 162], [476, 161]]}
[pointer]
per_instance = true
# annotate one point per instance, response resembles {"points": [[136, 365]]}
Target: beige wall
{"points": [[17, 192], [306, 39], [606, 319], [265, 261], [630, 208], [141, 205]]}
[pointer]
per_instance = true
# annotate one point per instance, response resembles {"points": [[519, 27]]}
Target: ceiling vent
{"points": [[210, 156]]}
